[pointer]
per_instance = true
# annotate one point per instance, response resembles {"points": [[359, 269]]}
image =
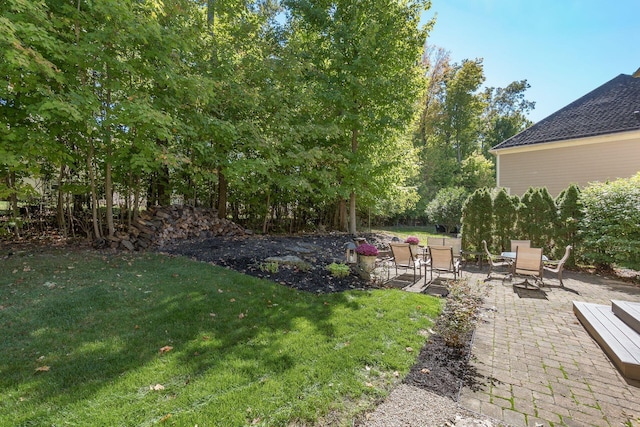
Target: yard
{"points": [[104, 338]]}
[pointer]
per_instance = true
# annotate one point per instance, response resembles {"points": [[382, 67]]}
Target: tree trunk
{"points": [[222, 195], [108, 184], [352, 213], [265, 222], [60, 209], [352, 196], [344, 219], [163, 187], [108, 191], [94, 196]]}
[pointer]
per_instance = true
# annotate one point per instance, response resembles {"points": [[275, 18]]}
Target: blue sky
{"points": [[563, 48]]}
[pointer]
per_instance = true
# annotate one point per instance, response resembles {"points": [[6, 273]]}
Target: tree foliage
{"points": [[477, 220], [610, 227], [446, 208], [570, 213], [279, 112]]}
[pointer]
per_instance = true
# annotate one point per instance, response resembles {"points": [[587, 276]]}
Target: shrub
{"points": [[610, 228], [505, 210], [270, 267], [338, 270], [460, 313], [569, 216], [476, 220], [446, 207]]}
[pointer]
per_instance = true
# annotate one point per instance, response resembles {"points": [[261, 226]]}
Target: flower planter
{"points": [[367, 263]]}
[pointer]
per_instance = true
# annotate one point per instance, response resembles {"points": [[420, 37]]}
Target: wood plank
{"points": [[628, 311], [620, 336], [618, 340]]}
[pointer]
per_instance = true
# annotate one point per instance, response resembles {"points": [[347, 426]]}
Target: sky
{"points": [[563, 48]]}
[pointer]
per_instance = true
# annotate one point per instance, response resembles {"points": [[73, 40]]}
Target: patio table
{"points": [[512, 255]]}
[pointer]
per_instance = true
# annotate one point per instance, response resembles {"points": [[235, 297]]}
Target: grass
{"points": [[405, 231], [146, 339]]}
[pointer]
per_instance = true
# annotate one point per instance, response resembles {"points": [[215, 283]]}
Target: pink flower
{"points": [[367, 250], [412, 240]]}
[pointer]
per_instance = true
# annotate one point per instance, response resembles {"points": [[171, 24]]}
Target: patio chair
{"points": [[496, 262], [528, 264], [456, 245], [557, 266], [443, 261], [523, 243], [435, 241], [403, 258]]}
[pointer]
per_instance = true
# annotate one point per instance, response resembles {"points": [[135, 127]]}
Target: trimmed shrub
{"points": [[610, 228], [505, 213], [569, 216], [477, 220]]}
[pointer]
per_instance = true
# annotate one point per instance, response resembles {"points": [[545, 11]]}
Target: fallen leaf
{"points": [[205, 338], [165, 418], [166, 349], [156, 387], [42, 369], [409, 349]]}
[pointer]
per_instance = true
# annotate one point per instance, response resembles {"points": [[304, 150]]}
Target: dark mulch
{"points": [[439, 368], [248, 254]]}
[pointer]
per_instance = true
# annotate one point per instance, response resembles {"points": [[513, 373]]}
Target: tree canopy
{"points": [[272, 112]]}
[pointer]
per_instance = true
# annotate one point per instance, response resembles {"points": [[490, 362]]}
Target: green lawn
{"points": [[405, 231], [145, 339]]}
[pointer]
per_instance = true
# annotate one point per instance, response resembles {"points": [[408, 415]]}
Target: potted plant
{"points": [[413, 242], [367, 257]]}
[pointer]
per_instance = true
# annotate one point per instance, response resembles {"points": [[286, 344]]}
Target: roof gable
{"points": [[611, 108]]}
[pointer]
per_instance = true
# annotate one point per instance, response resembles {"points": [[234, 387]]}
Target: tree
{"points": [[537, 216], [569, 216], [446, 208], [477, 220], [505, 211], [505, 114], [363, 61]]}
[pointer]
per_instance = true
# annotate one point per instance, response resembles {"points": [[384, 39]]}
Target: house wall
{"points": [[555, 165]]}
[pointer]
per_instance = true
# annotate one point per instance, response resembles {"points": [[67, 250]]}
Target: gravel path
{"points": [[409, 406]]}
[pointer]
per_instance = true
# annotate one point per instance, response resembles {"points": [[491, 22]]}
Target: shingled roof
{"points": [[613, 107]]}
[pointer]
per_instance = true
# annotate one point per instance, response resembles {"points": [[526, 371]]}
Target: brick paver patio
{"points": [[546, 370]]}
